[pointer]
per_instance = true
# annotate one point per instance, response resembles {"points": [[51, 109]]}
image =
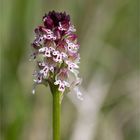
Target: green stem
{"points": [[56, 114]]}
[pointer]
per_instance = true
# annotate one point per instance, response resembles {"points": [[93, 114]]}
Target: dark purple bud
{"points": [[48, 22], [53, 18]]}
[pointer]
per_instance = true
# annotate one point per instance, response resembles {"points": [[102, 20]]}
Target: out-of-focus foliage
{"points": [[108, 34]]}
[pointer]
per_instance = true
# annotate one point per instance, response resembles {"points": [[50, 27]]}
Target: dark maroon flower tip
{"points": [[53, 18]]}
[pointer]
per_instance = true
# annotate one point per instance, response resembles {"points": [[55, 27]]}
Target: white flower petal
{"points": [[55, 52], [44, 71], [61, 87], [42, 49], [72, 67], [51, 68], [51, 49], [57, 82], [48, 53], [58, 58], [64, 55]]}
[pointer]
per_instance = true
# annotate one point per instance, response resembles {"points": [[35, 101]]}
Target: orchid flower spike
{"points": [[55, 49]]}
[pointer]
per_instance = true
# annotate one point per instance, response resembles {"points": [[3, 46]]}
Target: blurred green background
{"points": [[108, 34]]}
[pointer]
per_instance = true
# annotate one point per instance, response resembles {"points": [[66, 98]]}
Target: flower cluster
{"points": [[55, 50]]}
